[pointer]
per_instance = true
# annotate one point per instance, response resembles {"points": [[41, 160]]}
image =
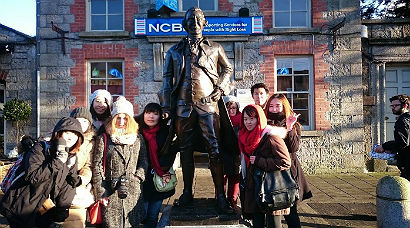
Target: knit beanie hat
{"points": [[81, 112], [101, 93], [121, 105]]}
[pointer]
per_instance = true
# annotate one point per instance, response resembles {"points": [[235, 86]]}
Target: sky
{"points": [[19, 15]]}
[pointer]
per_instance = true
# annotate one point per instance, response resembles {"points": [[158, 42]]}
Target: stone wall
{"points": [[20, 67], [335, 145]]}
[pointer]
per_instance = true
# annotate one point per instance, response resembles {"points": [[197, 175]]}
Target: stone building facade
{"points": [[318, 64], [386, 72], [17, 80]]}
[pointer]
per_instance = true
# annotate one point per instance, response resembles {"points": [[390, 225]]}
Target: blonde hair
{"points": [[131, 127]]}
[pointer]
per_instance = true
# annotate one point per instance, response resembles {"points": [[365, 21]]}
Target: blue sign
{"points": [[216, 26], [171, 5]]}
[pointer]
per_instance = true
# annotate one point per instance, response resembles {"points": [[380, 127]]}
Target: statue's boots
{"points": [[216, 168], [188, 170]]}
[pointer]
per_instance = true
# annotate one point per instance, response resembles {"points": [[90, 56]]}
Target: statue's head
{"points": [[194, 21]]}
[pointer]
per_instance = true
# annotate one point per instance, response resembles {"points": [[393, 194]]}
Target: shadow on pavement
{"points": [[341, 217]]}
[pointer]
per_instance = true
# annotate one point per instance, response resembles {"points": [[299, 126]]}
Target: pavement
{"points": [[339, 200]]}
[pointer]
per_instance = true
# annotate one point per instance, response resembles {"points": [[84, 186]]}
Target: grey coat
{"points": [[130, 160]]}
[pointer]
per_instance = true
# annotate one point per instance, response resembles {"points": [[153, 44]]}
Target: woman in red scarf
{"points": [[155, 132], [261, 146], [231, 154]]}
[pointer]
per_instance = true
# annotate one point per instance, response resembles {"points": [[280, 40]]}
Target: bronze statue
{"points": [[191, 89]]}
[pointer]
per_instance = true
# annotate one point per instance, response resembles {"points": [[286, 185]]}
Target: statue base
{"points": [[202, 211]]}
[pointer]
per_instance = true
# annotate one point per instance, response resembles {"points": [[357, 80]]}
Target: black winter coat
{"points": [[401, 144], [165, 161], [45, 176]]}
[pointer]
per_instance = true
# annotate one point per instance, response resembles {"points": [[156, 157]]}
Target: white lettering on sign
{"points": [[165, 27], [177, 27]]}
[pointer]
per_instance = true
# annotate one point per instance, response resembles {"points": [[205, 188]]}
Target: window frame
{"points": [[216, 3], [89, 74], [308, 16], [89, 15], [310, 91]]}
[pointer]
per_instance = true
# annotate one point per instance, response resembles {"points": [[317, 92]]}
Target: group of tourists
{"points": [[103, 153]]}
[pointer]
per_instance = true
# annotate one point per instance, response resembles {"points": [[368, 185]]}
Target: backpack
{"points": [[17, 171]]}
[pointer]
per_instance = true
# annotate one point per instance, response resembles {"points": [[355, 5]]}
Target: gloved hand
{"points": [[216, 94], [73, 180], [166, 113], [62, 150]]}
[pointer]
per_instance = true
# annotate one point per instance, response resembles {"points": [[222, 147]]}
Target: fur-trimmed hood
{"points": [[273, 130]]}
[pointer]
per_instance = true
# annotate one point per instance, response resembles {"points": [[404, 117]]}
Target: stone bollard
{"points": [[393, 202]]}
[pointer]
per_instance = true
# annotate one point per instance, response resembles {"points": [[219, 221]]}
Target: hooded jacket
{"points": [[45, 176]]}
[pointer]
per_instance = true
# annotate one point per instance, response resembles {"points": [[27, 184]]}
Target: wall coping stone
{"points": [[312, 133]]}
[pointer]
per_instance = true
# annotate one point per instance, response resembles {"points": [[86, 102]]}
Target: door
{"points": [[397, 82]]}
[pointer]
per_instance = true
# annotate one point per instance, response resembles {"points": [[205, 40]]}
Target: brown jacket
{"points": [[271, 154]]}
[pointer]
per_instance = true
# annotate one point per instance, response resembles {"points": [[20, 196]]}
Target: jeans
{"points": [[152, 209]]}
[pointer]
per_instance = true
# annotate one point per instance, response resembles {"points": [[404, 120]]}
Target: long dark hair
{"points": [[101, 117], [151, 107]]}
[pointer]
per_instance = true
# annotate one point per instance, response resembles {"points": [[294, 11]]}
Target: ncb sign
{"points": [[216, 26]]}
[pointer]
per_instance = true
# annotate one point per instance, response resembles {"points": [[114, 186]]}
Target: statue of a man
{"points": [[192, 87]]}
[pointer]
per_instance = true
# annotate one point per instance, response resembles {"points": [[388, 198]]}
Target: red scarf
{"points": [[150, 135], [236, 119], [249, 140]]}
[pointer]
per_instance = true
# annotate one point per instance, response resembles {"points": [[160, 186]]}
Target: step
{"points": [[202, 212]]}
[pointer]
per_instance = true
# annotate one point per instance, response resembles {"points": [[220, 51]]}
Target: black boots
{"points": [[216, 168], [185, 199]]}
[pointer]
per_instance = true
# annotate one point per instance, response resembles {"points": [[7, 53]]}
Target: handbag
{"points": [[95, 210], [275, 190], [95, 213], [165, 183]]}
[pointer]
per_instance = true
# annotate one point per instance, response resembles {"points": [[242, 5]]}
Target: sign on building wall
{"points": [[216, 26]]}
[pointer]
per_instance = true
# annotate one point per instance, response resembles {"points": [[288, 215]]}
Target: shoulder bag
{"points": [[165, 183], [275, 190]]}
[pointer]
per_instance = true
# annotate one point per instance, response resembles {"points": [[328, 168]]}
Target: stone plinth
{"points": [[202, 212]]}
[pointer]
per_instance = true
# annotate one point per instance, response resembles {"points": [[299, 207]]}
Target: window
{"points": [[295, 79], [107, 15], [107, 75], [291, 13], [205, 5]]}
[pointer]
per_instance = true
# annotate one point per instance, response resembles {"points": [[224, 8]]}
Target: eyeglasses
{"points": [[394, 105]]}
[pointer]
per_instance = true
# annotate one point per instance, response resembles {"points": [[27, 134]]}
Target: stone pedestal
{"points": [[393, 202], [202, 212]]}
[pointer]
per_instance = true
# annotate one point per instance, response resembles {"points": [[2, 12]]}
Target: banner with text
{"points": [[216, 26]]}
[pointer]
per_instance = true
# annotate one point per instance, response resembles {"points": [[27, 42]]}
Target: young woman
{"points": [[231, 155], [100, 107], [83, 198], [119, 166], [279, 113], [161, 157], [49, 182], [261, 146]]}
